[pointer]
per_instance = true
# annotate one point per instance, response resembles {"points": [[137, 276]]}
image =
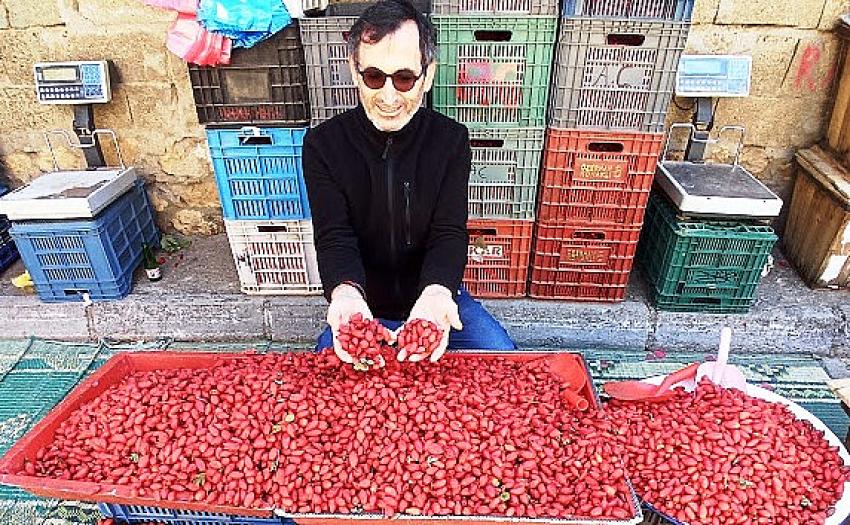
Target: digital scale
{"points": [[73, 82], [73, 194], [710, 189]]}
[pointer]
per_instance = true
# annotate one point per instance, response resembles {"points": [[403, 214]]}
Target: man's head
{"points": [[392, 38]]}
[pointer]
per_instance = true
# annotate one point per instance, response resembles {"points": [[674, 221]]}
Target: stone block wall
{"points": [[795, 56], [152, 110], [793, 48]]}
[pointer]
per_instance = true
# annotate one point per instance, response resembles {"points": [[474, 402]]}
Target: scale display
{"points": [[79, 82], [713, 76]]}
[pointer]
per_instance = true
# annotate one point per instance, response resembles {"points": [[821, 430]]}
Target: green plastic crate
{"points": [[494, 72], [505, 168], [700, 265]]}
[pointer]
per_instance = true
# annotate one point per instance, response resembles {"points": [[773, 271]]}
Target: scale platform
{"points": [[67, 194], [716, 190]]}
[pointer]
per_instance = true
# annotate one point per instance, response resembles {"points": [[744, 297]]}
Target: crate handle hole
{"points": [[486, 143], [482, 232], [626, 39], [606, 147], [255, 140], [273, 229], [591, 235], [75, 291], [490, 35], [707, 300]]}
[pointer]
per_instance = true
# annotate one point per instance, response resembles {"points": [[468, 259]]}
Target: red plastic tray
{"points": [[120, 366]]}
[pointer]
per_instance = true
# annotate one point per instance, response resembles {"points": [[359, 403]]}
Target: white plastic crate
{"points": [[275, 257]]}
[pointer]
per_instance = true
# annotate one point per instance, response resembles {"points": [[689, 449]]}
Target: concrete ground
{"points": [[199, 300]]}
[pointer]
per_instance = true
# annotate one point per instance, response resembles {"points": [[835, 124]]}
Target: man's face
{"points": [[388, 108]]}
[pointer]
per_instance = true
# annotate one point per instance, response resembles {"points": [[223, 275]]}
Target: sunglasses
{"points": [[403, 79]]}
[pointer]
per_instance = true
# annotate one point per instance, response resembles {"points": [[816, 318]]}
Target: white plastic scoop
{"points": [[720, 372]]}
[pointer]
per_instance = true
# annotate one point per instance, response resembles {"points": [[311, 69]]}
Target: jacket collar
{"points": [[380, 137]]}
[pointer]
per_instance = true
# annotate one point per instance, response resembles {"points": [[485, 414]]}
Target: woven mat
{"points": [[35, 375]]}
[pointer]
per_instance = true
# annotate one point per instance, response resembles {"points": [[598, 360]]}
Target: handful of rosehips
{"points": [[370, 343]]}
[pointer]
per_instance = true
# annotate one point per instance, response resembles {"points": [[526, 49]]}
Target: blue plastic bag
{"points": [[245, 22]]}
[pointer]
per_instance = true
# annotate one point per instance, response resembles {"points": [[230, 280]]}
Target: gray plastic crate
{"points": [[332, 90], [615, 74], [505, 168], [647, 9], [495, 7], [357, 8]]}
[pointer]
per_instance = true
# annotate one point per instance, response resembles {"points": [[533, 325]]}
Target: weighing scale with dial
{"points": [[73, 194], [709, 189]]}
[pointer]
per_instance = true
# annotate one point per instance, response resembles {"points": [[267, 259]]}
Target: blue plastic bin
{"points": [[258, 173], [134, 514], [667, 10], [69, 258]]}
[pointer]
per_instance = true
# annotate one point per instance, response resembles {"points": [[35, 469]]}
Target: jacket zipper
{"points": [[407, 227], [388, 165], [391, 209]]}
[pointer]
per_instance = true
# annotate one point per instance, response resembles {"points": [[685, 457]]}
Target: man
{"points": [[387, 183]]}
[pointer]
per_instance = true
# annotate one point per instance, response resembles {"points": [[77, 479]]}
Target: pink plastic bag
{"points": [[181, 6], [188, 40]]}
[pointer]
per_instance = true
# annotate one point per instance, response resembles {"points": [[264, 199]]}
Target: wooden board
{"points": [[817, 234]]}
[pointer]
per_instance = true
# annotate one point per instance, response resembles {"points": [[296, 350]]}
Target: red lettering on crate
{"points": [[585, 255], [600, 170], [234, 114], [250, 113], [269, 113]]}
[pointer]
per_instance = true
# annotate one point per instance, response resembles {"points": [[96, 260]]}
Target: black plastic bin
{"points": [[262, 85]]}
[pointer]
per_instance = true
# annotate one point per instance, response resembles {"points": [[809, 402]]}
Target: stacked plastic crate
{"points": [[256, 111], [493, 75], [80, 234], [332, 90], [613, 80]]}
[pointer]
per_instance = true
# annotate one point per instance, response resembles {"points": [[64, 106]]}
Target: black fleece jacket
{"points": [[389, 209]]}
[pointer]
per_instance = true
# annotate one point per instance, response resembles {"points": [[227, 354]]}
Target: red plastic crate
{"points": [[497, 259], [586, 262], [597, 176], [119, 366]]}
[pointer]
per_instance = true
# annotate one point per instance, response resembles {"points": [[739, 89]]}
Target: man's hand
{"points": [[345, 302], [435, 304]]}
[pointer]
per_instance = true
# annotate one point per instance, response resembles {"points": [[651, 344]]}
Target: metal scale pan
{"points": [[69, 194], [716, 190]]}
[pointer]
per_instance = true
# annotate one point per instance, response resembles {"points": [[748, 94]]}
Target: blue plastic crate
{"points": [[258, 173], [653, 516], [133, 514], [667, 10], [69, 258]]}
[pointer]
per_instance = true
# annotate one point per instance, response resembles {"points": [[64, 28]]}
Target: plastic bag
{"points": [[181, 6], [245, 22], [296, 8], [188, 40]]}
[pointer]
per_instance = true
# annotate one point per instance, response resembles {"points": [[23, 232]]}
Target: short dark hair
{"points": [[385, 17]]}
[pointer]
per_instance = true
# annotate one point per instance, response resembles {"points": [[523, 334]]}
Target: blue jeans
{"points": [[480, 330]]}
